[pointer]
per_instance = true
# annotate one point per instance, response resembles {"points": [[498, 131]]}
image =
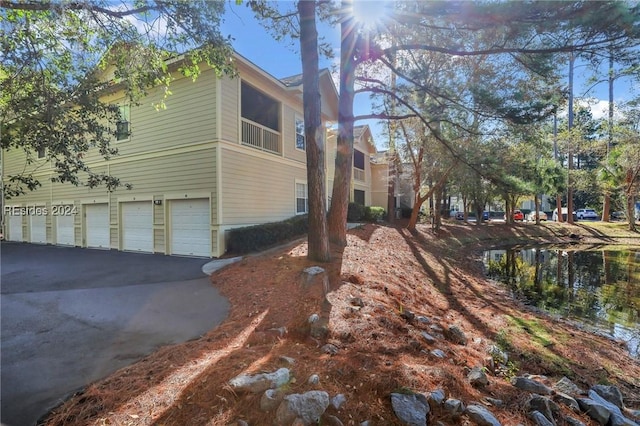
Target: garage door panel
{"points": [[137, 226], [97, 225], [190, 227], [65, 230], [15, 228], [38, 225]]}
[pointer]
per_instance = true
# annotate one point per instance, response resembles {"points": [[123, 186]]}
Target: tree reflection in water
{"points": [[597, 288]]}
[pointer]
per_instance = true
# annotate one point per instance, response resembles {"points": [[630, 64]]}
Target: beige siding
{"points": [[230, 99], [189, 117], [114, 238], [256, 189], [379, 185], [181, 172], [158, 240]]}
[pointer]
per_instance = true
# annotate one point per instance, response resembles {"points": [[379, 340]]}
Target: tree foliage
{"points": [[60, 58]]}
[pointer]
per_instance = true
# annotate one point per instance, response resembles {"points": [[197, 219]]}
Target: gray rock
{"points": [[429, 338], [307, 407], [610, 393], [493, 401], [314, 379], [566, 386], [436, 398], [260, 382], [313, 318], [620, 420], [497, 354], [477, 377], [407, 315], [616, 417], [544, 406], [365, 423], [287, 359], [481, 416], [357, 301], [530, 385], [270, 399], [338, 400], [438, 353], [567, 400], [423, 320], [453, 407], [412, 409], [332, 421], [597, 412], [436, 328], [313, 270], [540, 419], [455, 335], [573, 422], [329, 349]]}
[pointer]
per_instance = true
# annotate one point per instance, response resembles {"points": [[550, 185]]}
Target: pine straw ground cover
{"points": [[391, 271]]}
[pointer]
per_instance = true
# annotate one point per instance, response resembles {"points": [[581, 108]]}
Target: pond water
{"points": [[599, 289]]}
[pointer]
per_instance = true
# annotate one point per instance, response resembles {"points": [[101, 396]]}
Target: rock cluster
{"points": [[543, 401]]}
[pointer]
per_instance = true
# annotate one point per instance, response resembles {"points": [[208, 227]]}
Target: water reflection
{"points": [[598, 288]]}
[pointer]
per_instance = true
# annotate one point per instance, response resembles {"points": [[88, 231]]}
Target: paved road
{"points": [[71, 316]]}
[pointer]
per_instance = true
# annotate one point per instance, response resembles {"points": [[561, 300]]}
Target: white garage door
{"points": [[65, 230], [38, 227], [137, 226], [97, 222], [15, 228], [190, 229]]}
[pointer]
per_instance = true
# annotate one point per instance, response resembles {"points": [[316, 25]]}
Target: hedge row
{"points": [[259, 237], [358, 212]]}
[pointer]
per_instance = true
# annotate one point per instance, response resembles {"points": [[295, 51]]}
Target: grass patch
{"points": [[537, 344]]}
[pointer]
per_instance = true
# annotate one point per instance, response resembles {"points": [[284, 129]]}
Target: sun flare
{"points": [[371, 14]]}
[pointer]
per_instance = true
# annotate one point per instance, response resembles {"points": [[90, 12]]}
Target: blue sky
{"points": [[282, 59]]}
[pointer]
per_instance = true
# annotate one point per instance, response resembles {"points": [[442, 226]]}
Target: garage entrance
{"points": [[190, 227], [137, 226], [97, 225]]}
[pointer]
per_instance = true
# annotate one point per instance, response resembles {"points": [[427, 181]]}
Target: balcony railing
{"points": [[358, 174], [260, 137]]}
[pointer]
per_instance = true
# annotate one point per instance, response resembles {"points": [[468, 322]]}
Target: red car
{"points": [[518, 215]]}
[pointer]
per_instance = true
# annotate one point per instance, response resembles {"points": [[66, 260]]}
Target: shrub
{"points": [[374, 214], [259, 237], [355, 212]]}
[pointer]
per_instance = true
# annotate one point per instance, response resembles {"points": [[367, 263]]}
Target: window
{"points": [[122, 125], [358, 159], [358, 197], [302, 199], [41, 152], [301, 143]]}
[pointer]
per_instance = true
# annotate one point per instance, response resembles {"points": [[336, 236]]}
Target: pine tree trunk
{"points": [[318, 238], [337, 220]]}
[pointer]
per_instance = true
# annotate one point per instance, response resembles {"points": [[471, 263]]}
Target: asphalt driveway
{"points": [[71, 316]]}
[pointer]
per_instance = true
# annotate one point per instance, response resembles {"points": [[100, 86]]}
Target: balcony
{"points": [[260, 137], [358, 174]]}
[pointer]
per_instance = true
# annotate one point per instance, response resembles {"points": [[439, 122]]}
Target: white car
{"points": [[582, 214]]}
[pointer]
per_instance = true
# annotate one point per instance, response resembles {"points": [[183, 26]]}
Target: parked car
{"points": [[518, 215], [485, 215], [531, 217], [619, 215], [589, 214], [459, 215], [554, 216]]}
